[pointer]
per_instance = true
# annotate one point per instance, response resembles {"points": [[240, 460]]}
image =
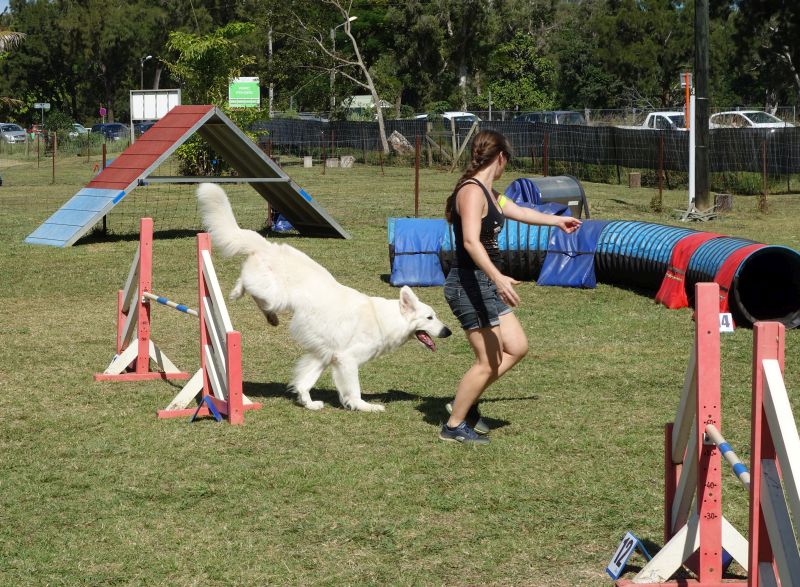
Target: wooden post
{"points": [[428, 148], [104, 157], [762, 201], [38, 149], [416, 178], [708, 411], [364, 145], [768, 341], [55, 149], [324, 155]]}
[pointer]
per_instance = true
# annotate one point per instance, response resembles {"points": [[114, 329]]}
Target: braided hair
{"points": [[486, 146]]}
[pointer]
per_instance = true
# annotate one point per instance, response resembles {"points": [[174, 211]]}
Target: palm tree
{"points": [[10, 40]]}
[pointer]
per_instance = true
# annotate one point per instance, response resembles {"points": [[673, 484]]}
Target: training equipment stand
{"points": [[134, 353], [219, 379], [695, 531], [698, 536]]}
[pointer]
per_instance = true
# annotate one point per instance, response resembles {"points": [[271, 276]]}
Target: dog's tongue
{"points": [[423, 337]]}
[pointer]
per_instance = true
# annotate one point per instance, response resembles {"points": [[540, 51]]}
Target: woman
{"points": [[479, 295]]}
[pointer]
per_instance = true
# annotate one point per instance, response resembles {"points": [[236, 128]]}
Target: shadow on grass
{"points": [[433, 408], [329, 396], [98, 236]]}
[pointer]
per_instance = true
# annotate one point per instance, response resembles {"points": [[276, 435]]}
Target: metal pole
{"points": [[55, 148], [692, 154]]}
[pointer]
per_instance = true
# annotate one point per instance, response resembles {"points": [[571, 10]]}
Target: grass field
{"points": [[95, 490]]}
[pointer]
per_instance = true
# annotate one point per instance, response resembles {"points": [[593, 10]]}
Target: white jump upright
{"points": [[219, 379], [135, 348], [696, 533], [775, 469]]}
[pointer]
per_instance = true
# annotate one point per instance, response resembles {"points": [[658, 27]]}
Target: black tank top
{"points": [[491, 225]]}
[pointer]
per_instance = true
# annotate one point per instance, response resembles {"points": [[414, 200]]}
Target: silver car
{"points": [[13, 133]]}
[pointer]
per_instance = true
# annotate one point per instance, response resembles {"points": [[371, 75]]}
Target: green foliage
{"points": [[205, 64], [521, 78], [58, 121], [197, 158]]}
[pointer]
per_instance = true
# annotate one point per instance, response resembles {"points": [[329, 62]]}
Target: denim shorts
{"points": [[473, 298]]}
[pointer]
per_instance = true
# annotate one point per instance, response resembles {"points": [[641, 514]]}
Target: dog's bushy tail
{"points": [[220, 222]]}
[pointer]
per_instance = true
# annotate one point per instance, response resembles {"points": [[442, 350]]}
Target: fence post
{"points": [[38, 149], [104, 157], [545, 153], [762, 201], [658, 202], [416, 179], [55, 150], [324, 153]]}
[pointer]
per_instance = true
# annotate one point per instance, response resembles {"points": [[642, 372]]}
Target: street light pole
{"points": [[333, 53], [141, 70]]}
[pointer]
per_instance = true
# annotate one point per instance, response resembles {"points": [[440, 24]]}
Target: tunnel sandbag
{"points": [[414, 251]]}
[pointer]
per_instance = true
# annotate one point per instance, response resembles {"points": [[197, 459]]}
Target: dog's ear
{"points": [[408, 300]]}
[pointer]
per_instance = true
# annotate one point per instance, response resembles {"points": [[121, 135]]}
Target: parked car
{"points": [[746, 119], [114, 131], [78, 130], [552, 117], [139, 128], [673, 120], [456, 116], [13, 133], [665, 121]]}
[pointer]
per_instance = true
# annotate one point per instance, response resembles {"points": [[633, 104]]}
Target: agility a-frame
{"points": [[138, 163]]}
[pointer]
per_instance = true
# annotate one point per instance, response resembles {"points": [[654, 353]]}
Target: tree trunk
{"points": [[157, 76]]}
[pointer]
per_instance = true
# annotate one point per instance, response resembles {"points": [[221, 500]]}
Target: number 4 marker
{"points": [[725, 322]]}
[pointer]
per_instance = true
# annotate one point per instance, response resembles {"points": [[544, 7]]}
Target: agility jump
{"points": [[696, 533], [219, 380]]}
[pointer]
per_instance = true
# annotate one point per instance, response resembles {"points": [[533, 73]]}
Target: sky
{"points": [[3, 5]]}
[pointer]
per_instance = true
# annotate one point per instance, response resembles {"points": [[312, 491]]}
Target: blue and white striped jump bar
{"points": [[170, 303], [739, 469]]}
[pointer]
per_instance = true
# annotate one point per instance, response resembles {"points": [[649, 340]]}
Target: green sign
{"points": [[244, 92]]}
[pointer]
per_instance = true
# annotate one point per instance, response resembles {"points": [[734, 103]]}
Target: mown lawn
{"points": [[95, 490]]}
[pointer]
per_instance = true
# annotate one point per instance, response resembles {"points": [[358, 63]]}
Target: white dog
{"points": [[335, 324]]}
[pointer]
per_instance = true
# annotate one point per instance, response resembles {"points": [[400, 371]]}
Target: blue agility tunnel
{"points": [[761, 282]]}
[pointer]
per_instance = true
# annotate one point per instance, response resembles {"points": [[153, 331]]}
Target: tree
{"points": [[205, 64], [645, 44], [9, 40], [352, 67], [521, 78], [767, 37]]}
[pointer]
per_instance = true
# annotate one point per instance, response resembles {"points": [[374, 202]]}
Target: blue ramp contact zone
{"points": [[75, 217]]}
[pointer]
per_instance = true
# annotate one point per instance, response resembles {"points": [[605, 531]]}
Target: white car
{"points": [[12, 133], [746, 119], [456, 116]]}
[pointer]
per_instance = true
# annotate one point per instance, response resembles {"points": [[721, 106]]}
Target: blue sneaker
{"points": [[462, 433], [473, 418]]}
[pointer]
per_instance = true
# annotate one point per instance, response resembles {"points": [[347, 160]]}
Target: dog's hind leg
{"points": [[237, 291], [265, 307], [345, 376], [306, 372]]}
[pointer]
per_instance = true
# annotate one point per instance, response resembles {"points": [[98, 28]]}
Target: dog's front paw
{"points": [[362, 406], [316, 405]]}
